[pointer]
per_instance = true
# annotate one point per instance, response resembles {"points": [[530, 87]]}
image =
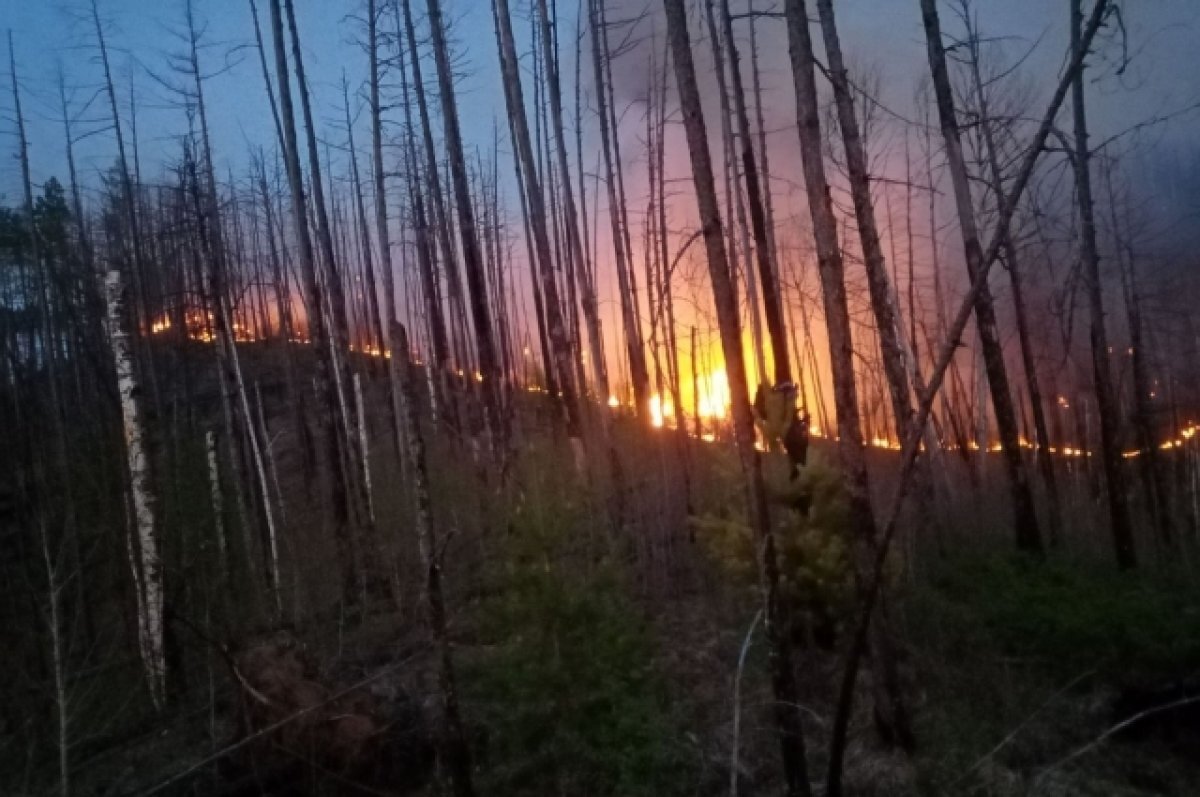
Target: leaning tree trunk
{"points": [[1028, 535], [887, 316], [768, 282], [559, 343], [890, 712], [636, 352], [208, 219], [1044, 460], [908, 456], [787, 715], [891, 715], [1106, 399], [438, 215], [339, 339], [591, 314], [481, 315], [318, 330]]}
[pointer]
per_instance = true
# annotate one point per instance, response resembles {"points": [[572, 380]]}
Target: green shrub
{"points": [[1068, 616], [810, 517], [564, 688]]}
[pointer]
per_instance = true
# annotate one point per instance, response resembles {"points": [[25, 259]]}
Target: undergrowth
{"points": [[1066, 617], [563, 687], [1021, 662]]}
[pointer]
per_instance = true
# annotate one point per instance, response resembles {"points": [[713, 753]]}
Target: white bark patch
{"points": [[143, 559]]}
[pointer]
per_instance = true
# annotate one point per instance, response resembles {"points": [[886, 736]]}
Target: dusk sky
{"points": [[880, 36]]}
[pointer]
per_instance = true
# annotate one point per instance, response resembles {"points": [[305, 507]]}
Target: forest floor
{"points": [[597, 642]]}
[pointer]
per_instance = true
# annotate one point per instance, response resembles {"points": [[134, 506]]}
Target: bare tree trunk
{"points": [[1043, 458], [1152, 471], [439, 216], [887, 315], [210, 240], [58, 653], [472, 261], [318, 331], [591, 313], [787, 716], [772, 299], [143, 554], [457, 754], [734, 205], [217, 499], [911, 447], [635, 349], [437, 371], [371, 286], [127, 184], [296, 394], [1106, 400], [339, 326], [1028, 536], [382, 233], [891, 715], [559, 344]]}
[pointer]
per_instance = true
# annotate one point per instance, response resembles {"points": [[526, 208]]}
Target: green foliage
{"points": [[810, 516], [1068, 617], [564, 687]]}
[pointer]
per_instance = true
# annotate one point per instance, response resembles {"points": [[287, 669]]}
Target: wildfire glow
{"points": [[714, 398], [660, 410], [711, 402]]}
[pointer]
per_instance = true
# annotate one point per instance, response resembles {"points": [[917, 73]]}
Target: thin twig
{"points": [[1022, 725], [219, 754], [737, 704], [1120, 726]]}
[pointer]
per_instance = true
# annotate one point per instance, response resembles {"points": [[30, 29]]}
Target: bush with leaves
{"points": [[810, 518], [563, 689]]}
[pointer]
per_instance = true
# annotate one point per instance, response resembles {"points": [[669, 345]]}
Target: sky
{"points": [[882, 37]]}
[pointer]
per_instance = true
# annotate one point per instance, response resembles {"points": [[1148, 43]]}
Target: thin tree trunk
{"points": [[457, 754], [318, 331], [559, 344], [217, 499], [890, 713], [635, 349], [911, 447], [1106, 400], [1143, 413], [472, 261], [787, 716], [58, 654], [1028, 535], [591, 313], [1042, 453], [371, 286], [144, 545], [771, 296], [440, 218]]}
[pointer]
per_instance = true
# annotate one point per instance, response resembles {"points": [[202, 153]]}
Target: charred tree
{"points": [[787, 716]]}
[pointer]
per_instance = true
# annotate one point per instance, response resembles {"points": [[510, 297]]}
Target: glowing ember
{"points": [[660, 410], [714, 396]]}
